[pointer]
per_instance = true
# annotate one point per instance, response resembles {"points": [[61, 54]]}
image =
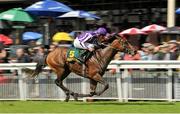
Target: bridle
{"points": [[120, 41], [123, 42]]}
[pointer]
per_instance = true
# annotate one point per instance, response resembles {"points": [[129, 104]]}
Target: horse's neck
{"points": [[105, 56]]}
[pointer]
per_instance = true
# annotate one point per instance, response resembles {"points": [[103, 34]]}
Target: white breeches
{"points": [[80, 45]]}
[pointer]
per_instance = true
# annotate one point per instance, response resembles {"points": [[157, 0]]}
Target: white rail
{"points": [[144, 64], [122, 78], [113, 64]]}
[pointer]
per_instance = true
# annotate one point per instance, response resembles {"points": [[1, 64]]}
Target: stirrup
{"points": [[81, 59]]}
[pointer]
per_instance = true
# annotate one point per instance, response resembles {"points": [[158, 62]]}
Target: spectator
{"points": [[131, 57], [144, 51], [3, 58], [150, 51], [173, 47], [163, 53], [40, 52], [21, 57], [3, 55], [178, 60], [31, 52]]}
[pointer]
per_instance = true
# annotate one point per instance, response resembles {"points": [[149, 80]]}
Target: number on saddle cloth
{"points": [[73, 54]]}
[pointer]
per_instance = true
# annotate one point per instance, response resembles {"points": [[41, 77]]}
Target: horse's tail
{"points": [[41, 63]]}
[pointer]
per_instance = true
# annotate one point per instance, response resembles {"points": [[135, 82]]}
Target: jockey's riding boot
{"points": [[82, 57], [88, 55]]}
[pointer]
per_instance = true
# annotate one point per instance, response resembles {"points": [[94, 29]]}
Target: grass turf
{"points": [[89, 107]]}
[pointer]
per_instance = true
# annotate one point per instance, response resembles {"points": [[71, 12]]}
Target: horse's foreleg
{"points": [[62, 74], [59, 83], [66, 91], [98, 78]]}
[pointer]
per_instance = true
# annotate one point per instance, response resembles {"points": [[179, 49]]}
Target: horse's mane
{"points": [[108, 42], [100, 53]]}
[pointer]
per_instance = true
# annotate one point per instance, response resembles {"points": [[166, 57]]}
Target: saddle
{"points": [[78, 55]]}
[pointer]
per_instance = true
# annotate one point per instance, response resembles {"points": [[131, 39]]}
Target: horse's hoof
{"points": [[67, 98], [75, 96], [92, 94]]}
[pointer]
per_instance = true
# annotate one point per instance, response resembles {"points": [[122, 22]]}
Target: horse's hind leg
{"points": [[98, 78], [93, 85], [61, 75]]}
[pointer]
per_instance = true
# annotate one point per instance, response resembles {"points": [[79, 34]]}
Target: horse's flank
{"points": [[97, 63]]}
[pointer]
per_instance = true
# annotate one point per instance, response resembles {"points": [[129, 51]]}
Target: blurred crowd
{"points": [[24, 54], [165, 51], [34, 50]]}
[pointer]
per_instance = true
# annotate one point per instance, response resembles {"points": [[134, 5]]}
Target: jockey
{"points": [[89, 41]]}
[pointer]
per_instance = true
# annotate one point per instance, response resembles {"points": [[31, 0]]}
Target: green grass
{"points": [[89, 107]]}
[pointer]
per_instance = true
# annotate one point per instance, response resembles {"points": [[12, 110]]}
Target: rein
{"points": [[106, 45], [122, 44], [119, 40]]}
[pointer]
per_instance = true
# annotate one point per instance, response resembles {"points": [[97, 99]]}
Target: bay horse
{"points": [[95, 66]]}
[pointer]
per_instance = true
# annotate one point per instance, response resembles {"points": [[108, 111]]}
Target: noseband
{"points": [[123, 43]]}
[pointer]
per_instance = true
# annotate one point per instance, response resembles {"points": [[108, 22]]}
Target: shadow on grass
{"points": [[120, 103]]}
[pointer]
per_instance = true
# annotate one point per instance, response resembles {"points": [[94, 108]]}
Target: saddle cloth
{"points": [[73, 54]]}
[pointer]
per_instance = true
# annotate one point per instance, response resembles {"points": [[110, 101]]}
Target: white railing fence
{"points": [[133, 80]]}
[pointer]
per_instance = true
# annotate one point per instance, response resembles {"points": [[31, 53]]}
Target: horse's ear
{"points": [[112, 37], [115, 34]]}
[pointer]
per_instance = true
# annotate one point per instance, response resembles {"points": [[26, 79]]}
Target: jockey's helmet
{"points": [[101, 31]]}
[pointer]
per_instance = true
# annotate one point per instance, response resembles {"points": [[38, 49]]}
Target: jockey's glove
{"points": [[99, 46]]}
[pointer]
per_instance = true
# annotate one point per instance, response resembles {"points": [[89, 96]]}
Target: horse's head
{"points": [[121, 44]]}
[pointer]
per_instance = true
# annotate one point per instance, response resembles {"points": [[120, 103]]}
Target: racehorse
{"points": [[95, 66]]}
